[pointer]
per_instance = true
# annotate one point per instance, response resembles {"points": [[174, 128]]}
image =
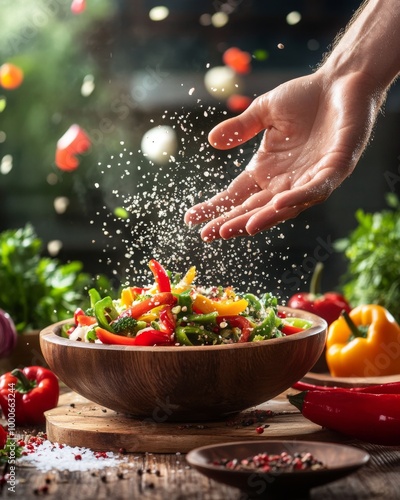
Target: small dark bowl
{"points": [[339, 461]]}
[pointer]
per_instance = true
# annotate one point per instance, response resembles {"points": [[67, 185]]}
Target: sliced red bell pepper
{"points": [[160, 275], [153, 337], [145, 338], [238, 322], [107, 337], [82, 319], [159, 299], [32, 390], [290, 329], [168, 320]]}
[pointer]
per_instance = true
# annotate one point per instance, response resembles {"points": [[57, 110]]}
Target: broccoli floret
{"points": [[124, 325]]}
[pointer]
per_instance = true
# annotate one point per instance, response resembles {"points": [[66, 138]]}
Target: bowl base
{"points": [[78, 422]]}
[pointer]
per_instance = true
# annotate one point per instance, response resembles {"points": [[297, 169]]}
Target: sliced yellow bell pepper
{"points": [[186, 281], [366, 346], [126, 297], [225, 307]]}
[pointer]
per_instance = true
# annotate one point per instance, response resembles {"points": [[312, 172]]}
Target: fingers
{"points": [[249, 224], [233, 223], [239, 190], [241, 128], [263, 211]]}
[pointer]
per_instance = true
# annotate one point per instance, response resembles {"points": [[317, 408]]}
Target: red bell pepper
{"points": [[107, 337], [74, 142], [148, 337], [159, 299], [82, 319], [168, 321], [153, 337], [3, 437], [28, 393], [160, 275], [290, 329], [328, 306], [371, 417], [238, 322]]}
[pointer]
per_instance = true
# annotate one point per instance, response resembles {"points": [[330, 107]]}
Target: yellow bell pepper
{"points": [[224, 307], [186, 281], [127, 297], [366, 346]]}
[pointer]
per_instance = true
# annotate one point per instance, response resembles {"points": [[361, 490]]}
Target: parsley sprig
{"points": [[372, 250]]}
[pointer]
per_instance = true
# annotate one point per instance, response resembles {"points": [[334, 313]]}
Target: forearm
{"points": [[370, 44]]}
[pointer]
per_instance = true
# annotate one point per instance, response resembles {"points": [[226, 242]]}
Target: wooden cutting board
{"points": [[79, 422]]}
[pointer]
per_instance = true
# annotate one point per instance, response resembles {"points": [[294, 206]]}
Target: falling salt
{"points": [[156, 198]]}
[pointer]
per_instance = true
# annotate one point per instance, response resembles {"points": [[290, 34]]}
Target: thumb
{"points": [[239, 129]]}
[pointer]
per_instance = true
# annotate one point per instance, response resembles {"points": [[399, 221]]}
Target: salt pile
{"points": [[47, 456]]}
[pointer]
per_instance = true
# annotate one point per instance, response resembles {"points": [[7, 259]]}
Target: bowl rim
{"points": [[49, 335], [197, 456]]}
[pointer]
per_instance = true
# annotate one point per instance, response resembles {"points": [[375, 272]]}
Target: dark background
{"points": [[117, 43]]}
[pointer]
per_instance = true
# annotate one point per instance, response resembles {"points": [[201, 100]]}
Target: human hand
{"points": [[316, 129]]}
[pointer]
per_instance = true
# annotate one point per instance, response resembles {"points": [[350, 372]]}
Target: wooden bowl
{"points": [[185, 383], [339, 461]]}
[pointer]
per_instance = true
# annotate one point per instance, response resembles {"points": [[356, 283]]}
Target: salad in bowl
{"points": [[173, 311]]}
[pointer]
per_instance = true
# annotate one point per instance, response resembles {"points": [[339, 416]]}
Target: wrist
{"points": [[369, 47]]}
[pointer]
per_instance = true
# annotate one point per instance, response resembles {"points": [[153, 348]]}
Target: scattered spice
{"points": [[264, 462], [252, 417]]}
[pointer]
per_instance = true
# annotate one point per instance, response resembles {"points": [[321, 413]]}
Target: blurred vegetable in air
{"points": [[373, 253], [74, 142], [11, 76]]}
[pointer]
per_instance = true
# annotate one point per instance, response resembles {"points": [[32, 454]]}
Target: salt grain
{"points": [[155, 199], [48, 456]]}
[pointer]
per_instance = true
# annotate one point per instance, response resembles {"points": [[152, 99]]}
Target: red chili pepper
{"points": [[303, 386], [160, 275], [238, 322], [159, 299], [32, 390], [389, 388], [145, 338], [370, 417], [328, 306], [168, 320]]}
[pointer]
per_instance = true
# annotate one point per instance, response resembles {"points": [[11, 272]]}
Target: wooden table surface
{"points": [[167, 476]]}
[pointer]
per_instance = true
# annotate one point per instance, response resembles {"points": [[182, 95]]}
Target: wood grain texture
{"points": [[78, 422], [183, 383], [167, 476]]}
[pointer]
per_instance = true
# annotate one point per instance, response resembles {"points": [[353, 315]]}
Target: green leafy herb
{"points": [[37, 291], [11, 449], [373, 253]]}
